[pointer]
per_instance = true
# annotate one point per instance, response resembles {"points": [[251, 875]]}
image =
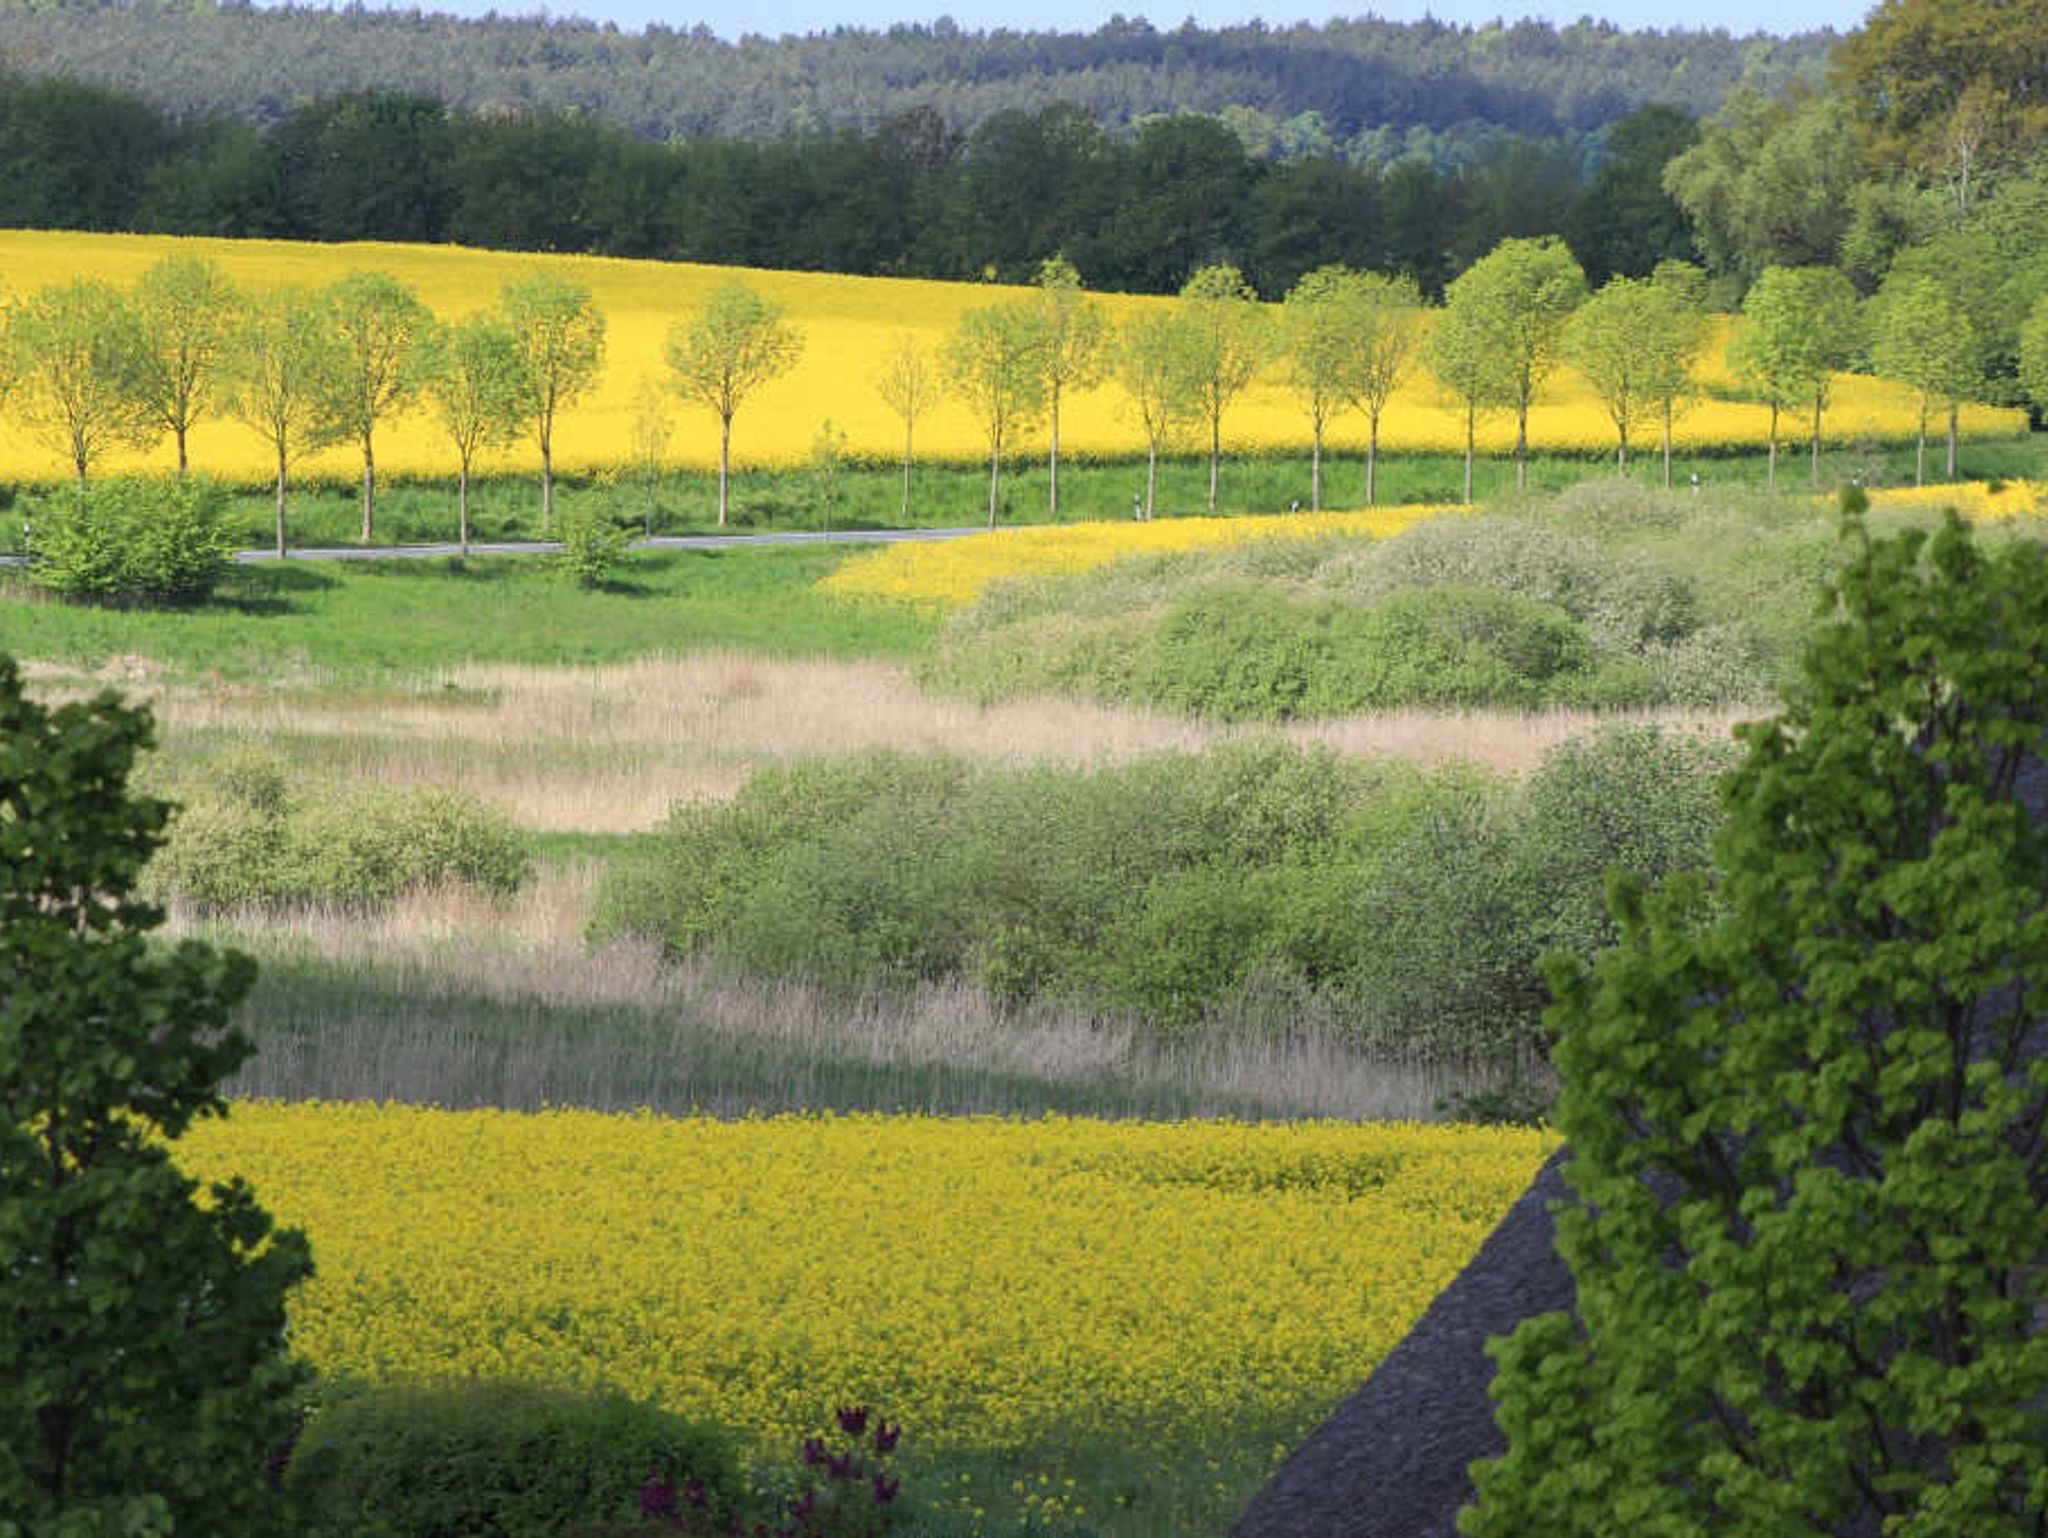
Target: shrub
{"points": [[1237, 652], [131, 542], [498, 1457], [246, 836], [374, 845], [592, 547], [1452, 646], [1184, 890], [1642, 800], [1624, 599]]}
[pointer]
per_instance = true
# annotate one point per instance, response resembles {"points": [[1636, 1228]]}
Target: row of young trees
{"points": [[91, 367], [1351, 339], [88, 367]]}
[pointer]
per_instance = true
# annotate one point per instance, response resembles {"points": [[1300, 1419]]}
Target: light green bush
{"points": [[132, 541], [592, 547], [245, 834]]}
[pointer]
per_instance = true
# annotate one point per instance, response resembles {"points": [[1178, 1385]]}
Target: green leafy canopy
{"points": [[143, 1378], [1807, 1121]]}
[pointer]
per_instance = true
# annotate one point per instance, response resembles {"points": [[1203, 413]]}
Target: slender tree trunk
{"points": [[1920, 447], [995, 472], [1215, 452], [369, 491], [1814, 475], [462, 505], [1151, 477], [182, 466], [547, 475], [1771, 463], [1052, 505], [1315, 469], [1471, 439], [78, 458], [1372, 459], [1955, 410], [1621, 454], [724, 464], [281, 481], [1521, 447], [1667, 445], [905, 516]]}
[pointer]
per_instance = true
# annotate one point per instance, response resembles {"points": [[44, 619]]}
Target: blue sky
{"points": [[730, 18]]}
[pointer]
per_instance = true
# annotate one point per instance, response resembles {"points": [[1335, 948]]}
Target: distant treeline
{"points": [[1360, 84], [911, 197]]}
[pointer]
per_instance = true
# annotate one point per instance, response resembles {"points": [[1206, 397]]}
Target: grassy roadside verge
{"points": [[869, 495], [283, 622]]}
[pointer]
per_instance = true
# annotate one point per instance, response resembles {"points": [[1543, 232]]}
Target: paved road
{"points": [[550, 547]]}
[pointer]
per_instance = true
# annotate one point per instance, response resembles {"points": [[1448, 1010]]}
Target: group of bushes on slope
{"points": [[1257, 885], [1576, 604], [246, 834]]}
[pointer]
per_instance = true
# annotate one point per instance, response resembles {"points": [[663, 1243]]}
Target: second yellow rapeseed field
{"points": [[948, 574], [848, 323], [983, 1279]]}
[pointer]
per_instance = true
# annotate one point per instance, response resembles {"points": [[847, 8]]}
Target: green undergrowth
{"points": [[324, 621], [1253, 887]]}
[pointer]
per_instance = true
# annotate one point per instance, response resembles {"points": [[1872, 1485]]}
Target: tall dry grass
{"points": [[609, 749], [444, 998]]}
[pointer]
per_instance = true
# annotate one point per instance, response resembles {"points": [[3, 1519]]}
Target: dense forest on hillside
{"points": [[1357, 84], [913, 197]]}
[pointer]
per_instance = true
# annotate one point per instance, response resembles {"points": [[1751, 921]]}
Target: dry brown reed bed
{"points": [[444, 998], [611, 748]]}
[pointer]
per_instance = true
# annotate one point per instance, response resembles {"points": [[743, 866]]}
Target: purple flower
{"points": [[843, 1466], [885, 1489], [853, 1419], [804, 1505], [814, 1451], [695, 1493], [886, 1435], [657, 1495]]}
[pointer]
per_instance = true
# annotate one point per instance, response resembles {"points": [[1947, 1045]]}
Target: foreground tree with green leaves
{"points": [[143, 1374], [1808, 1114]]}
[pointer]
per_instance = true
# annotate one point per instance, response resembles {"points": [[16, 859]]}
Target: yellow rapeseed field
{"points": [[1990, 501], [848, 323], [953, 572], [982, 1279]]}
